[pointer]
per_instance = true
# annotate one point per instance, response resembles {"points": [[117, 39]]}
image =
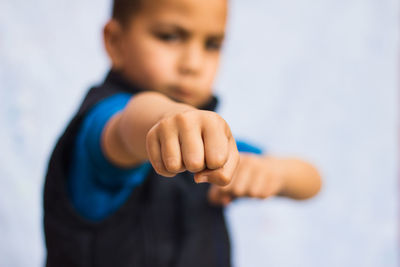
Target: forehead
{"points": [[204, 15]]}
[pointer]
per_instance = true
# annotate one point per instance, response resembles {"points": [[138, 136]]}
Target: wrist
{"points": [[278, 170], [175, 108]]}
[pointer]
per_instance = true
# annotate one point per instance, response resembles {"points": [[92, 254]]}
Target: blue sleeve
{"points": [[97, 187], [243, 146]]}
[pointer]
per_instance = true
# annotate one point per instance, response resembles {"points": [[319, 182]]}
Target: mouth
{"points": [[181, 92]]}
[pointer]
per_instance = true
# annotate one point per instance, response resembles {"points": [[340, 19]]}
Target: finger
{"points": [[216, 146], [153, 147], [221, 176], [170, 150], [259, 186], [241, 181], [217, 197], [192, 149]]}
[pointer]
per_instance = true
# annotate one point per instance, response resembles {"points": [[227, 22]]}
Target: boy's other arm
{"points": [[301, 180], [175, 137], [266, 176]]}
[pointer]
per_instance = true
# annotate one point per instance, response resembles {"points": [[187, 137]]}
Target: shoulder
{"points": [[91, 129], [110, 104]]}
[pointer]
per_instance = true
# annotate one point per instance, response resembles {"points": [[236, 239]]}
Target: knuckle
{"points": [[217, 161], [219, 123], [184, 120], [224, 179], [212, 118], [163, 125], [180, 117], [159, 169], [195, 164], [215, 117], [172, 165]]}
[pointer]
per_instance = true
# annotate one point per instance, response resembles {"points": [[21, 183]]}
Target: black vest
{"points": [[165, 221]]}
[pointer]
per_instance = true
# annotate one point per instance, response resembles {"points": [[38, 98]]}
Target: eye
{"points": [[213, 45], [168, 37]]}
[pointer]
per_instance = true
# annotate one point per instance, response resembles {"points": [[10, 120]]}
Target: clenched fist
{"points": [[195, 140], [256, 177]]}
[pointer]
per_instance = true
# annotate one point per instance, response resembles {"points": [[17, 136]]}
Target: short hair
{"points": [[123, 10]]}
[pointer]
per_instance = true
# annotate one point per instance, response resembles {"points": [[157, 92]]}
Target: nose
{"points": [[191, 59]]}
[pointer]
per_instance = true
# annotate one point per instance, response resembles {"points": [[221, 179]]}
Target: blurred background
{"points": [[314, 79]]}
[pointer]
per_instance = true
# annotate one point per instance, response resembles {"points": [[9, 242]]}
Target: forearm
{"points": [[300, 179], [124, 137]]}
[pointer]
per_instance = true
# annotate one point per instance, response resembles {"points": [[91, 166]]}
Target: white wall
{"points": [[320, 82]]}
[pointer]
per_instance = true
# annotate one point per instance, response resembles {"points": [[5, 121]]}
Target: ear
{"points": [[112, 34]]}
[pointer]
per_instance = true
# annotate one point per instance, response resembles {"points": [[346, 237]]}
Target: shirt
{"points": [[97, 187]]}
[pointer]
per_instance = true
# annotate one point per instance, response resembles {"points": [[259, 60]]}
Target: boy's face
{"points": [[173, 46]]}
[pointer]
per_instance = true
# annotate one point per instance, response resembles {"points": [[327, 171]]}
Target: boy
{"points": [[106, 200]]}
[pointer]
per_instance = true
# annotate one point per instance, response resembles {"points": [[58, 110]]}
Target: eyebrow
{"points": [[220, 36], [184, 31]]}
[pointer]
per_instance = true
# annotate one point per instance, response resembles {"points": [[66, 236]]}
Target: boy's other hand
{"points": [[195, 140], [256, 177]]}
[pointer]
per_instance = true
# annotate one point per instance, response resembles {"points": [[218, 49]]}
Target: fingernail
{"points": [[201, 179]]}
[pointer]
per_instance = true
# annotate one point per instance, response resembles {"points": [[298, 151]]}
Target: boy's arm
{"points": [[175, 137], [301, 179], [266, 176], [124, 136]]}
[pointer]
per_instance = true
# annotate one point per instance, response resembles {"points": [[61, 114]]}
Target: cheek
{"points": [[160, 65], [149, 64], [210, 71]]}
